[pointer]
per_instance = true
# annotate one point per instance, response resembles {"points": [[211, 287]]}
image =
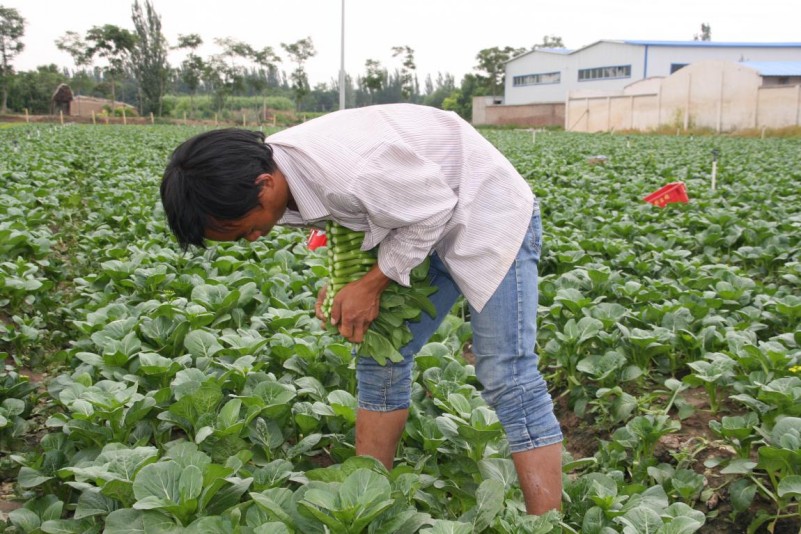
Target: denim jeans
{"points": [[504, 338]]}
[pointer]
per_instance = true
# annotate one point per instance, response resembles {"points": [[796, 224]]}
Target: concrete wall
{"points": [[604, 114], [775, 106], [712, 94], [719, 95], [533, 115], [480, 104]]}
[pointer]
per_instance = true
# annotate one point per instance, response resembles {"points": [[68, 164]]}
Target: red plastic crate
{"points": [[317, 238], [672, 192]]}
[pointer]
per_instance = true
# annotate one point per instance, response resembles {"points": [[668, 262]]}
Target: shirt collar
{"points": [[310, 208]]}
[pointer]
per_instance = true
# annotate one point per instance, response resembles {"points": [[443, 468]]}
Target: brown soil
{"points": [[8, 496], [581, 437], [7, 502], [34, 377], [693, 445]]}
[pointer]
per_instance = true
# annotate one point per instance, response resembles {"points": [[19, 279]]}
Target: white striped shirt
{"points": [[415, 179]]}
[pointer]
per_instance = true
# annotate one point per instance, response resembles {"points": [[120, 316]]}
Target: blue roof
{"points": [[775, 68], [677, 44], [713, 44], [555, 50]]}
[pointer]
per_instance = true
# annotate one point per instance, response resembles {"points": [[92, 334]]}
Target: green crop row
{"points": [[150, 390]]}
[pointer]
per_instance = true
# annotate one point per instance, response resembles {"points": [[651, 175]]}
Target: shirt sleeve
{"points": [[408, 200]]}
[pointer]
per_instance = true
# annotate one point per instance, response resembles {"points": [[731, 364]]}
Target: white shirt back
{"points": [[415, 179]]}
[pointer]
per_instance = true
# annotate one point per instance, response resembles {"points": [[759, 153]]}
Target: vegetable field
{"points": [[146, 390]]}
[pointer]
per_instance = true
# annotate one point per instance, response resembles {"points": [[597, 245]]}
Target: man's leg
{"points": [[504, 339], [378, 434], [540, 473], [385, 390]]}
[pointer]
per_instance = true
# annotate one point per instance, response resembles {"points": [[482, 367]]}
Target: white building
{"points": [[551, 75]]}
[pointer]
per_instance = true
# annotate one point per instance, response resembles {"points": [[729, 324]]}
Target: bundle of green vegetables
{"points": [[389, 331]]}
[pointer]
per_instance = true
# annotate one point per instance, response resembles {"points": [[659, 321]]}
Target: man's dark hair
{"points": [[211, 179]]}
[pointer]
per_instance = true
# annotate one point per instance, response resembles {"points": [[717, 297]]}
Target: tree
{"points": [[149, 58], [374, 78], [12, 28], [706, 33], [226, 74], [300, 51], [233, 49], [550, 41], [110, 42], [82, 81], [114, 44], [491, 61], [324, 97], [72, 43], [221, 79], [461, 100], [267, 60], [193, 67], [33, 90], [436, 93], [408, 85]]}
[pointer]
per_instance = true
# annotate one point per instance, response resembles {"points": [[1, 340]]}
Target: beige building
{"points": [[550, 75], [636, 85]]}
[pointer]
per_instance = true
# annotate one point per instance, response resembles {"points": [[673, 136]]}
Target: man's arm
{"points": [[407, 203]]}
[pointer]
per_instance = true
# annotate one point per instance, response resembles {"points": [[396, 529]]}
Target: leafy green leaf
{"points": [[442, 526], [69, 526], [362, 488], [500, 469], [640, 520], [129, 521], [790, 486], [92, 503], [190, 484], [160, 480], [200, 343], [30, 478]]}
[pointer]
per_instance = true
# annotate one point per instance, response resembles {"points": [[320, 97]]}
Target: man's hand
{"points": [[356, 305]]}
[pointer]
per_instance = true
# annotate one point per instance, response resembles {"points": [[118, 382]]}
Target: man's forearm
{"points": [[375, 280]]}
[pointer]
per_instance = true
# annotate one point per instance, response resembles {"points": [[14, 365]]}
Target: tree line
{"points": [[131, 66]]}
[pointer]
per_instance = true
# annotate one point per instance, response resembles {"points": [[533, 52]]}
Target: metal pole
{"points": [[342, 63], [715, 154]]}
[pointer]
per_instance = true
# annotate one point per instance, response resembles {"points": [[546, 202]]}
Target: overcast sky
{"points": [[445, 35]]}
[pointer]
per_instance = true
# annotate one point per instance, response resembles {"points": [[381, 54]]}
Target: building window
{"points": [[604, 73], [537, 79], [676, 66]]}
